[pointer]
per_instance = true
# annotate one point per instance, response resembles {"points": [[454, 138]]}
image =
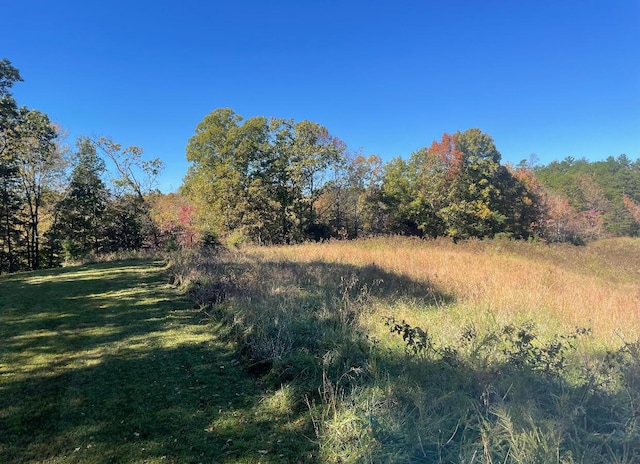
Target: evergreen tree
{"points": [[10, 208], [81, 219]]}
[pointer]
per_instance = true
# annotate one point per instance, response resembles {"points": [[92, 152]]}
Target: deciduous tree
{"points": [[134, 178], [40, 165], [260, 178]]}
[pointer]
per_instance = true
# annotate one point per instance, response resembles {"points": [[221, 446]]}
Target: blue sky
{"points": [[555, 78]]}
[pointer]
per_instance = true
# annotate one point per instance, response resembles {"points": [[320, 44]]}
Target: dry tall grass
{"points": [[428, 351], [559, 286]]}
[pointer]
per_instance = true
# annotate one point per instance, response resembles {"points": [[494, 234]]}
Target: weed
{"points": [[522, 348], [417, 340]]}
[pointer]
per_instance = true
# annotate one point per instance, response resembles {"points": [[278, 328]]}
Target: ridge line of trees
{"points": [[268, 180], [273, 181]]}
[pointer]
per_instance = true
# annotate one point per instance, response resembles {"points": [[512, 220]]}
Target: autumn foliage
{"points": [[272, 181], [449, 155], [632, 207], [174, 217]]}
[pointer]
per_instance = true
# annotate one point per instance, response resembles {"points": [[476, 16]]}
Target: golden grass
{"points": [[493, 369], [558, 287]]}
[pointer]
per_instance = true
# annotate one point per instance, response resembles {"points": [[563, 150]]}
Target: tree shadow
{"points": [[440, 401], [107, 365], [152, 405], [116, 368]]}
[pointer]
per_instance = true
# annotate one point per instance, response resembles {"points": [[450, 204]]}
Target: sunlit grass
{"points": [[528, 354], [109, 363], [565, 285]]}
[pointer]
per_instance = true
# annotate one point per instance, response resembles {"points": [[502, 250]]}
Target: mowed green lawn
{"points": [[109, 363]]}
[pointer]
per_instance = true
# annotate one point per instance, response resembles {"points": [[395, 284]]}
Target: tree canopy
{"points": [[51, 211], [272, 180], [261, 177]]}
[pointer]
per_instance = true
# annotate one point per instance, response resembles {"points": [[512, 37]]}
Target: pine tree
{"points": [[82, 210]]}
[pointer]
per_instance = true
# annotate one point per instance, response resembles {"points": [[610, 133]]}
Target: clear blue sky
{"points": [[552, 77]]}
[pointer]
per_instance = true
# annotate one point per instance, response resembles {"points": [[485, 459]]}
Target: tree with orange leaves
{"points": [[632, 207], [458, 188], [449, 157]]}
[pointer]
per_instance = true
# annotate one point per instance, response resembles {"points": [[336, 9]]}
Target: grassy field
{"points": [[375, 351], [428, 351], [109, 363]]}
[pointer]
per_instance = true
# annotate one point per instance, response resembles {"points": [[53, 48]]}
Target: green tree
{"points": [[8, 107], [10, 193], [259, 178], [10, 207], [315, 154], [433, 171], [473, 210], [128, 225], [363, 207], [350, 204], [81, 215], [40, 166], [458, 188], [522, 200], [219, 180], [9, 75], [398, 195]]}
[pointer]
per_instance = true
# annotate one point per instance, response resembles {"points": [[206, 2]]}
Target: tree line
{"points": [[269, 181], [272, 181]]}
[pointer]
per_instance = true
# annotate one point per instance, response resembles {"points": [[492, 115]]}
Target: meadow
{"points": [[405, 350], [384, 350]]}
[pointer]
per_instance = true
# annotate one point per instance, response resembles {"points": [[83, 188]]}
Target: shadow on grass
{"points": [[503, 395], [156, 405], [319, 279], [107, 363], [300, 318]]}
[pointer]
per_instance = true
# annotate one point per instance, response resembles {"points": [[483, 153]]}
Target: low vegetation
{"points": [[109, 363], [403, 350], [388, 350]]}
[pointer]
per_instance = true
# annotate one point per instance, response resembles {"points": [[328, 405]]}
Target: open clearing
{"points": [[386, 350], [109, 363]]}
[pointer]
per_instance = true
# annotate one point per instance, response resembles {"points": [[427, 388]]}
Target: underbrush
{"points": [[123, 255], [402, 367]]}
